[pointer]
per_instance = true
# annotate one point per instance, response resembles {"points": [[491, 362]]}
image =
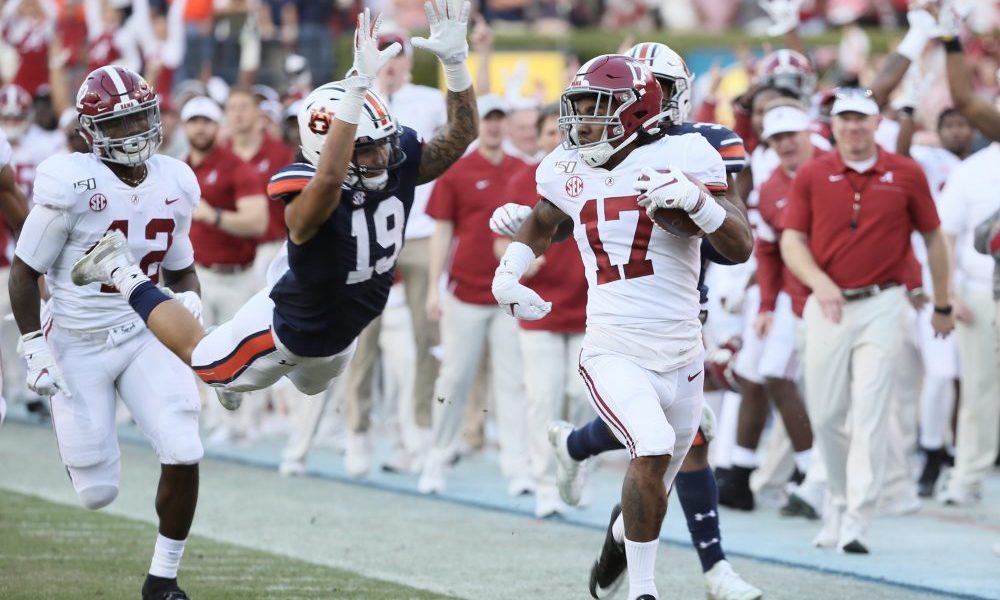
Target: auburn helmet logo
{"points": [[319, 121]]}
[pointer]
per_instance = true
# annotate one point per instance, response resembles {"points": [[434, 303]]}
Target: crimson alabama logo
{"points": [[98, 202], [574, 186]]}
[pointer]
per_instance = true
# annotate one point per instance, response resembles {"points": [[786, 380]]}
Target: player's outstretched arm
{"points": [[734, 239], [321, 196], [531, 241], [449, 29], [983, 115], [545, 224]]}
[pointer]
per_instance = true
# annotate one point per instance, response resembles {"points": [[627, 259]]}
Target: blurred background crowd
{"points": [[230, 74]]}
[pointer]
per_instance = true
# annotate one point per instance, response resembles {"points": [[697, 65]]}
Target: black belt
{"points": [[850, 295]]}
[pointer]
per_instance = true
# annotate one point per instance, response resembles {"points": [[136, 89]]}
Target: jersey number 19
{"points": [[388, 220]]}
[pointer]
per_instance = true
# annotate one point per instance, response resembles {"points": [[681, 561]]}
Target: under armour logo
{"points": [[703, 545], [701, 517]]}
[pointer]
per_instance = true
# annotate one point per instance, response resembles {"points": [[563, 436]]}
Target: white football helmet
{"points": [[375, 128], [667, 64]]}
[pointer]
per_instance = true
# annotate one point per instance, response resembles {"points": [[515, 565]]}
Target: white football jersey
{"points": [[937, 163], [81, 199], [643, 300]]}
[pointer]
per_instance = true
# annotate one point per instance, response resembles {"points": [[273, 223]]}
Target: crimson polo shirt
{"points": [[895, 201], [224, 179], [466, 195], [271, 156]]}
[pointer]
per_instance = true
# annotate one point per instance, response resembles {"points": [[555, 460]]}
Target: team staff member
{"points": [[847, 237], [227, 222], [462, 202], [977, 433], [550, 346]]}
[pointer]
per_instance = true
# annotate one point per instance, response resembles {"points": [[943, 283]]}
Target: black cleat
{"points": [[160, 588], [734, 490], [797, 507], [606, 576], [932, 470], [645, 597], [854, 547]]}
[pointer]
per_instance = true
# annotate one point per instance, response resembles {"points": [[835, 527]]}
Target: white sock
{"points": [[641, 558], [126, 279], [618, 529], [166, 557], [802, 460], [744, 457]]}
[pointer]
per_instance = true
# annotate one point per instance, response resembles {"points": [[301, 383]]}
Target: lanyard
{"points": [[856, 205]]}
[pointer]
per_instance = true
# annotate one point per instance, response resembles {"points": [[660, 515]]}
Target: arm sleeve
{"points": [[923, 213], [798, 213], [180, 254], [442, 204], [769, 266], [43, 237]]}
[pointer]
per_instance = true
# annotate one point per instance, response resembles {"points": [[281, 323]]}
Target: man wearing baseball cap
{"points": [[847, 237], [231, 215]]}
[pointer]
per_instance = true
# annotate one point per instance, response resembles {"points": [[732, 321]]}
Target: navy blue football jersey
{"points": [[339, 280], [724, 140]]}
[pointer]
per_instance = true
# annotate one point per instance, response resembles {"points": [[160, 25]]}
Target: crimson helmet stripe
{"points": [[112, 72]]}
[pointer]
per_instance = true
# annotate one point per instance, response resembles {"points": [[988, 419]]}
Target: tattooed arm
{"points": [[450, 143]]}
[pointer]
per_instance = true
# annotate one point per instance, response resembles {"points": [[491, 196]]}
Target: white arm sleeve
{"points": [[180, 255], [43, 237]]}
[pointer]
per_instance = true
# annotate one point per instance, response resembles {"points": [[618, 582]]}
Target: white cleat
{"points": [[228, 399], [570, 474], [723, 583], [432, 478], [292, 468], [97, 265]]}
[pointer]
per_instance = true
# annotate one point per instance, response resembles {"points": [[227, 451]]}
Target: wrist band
{"points": [[517, 259], [952, 44], [943, 310], [456, 76], [906, 110], [710, 216]]}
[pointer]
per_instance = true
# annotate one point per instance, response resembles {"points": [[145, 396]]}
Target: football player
{"points": [[642, 358], [87, 345], [346, 211]]}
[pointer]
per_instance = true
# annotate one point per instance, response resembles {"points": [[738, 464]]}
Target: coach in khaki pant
{"points": [[848, 224]]}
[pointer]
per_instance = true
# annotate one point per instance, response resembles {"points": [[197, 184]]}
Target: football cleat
{"points": [[734, 490], [723, 583], [570, 474], [161, 588], [228, 399], [607, 574], [107, 255], [799, 507]]}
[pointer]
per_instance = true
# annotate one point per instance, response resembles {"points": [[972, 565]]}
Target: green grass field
{"points": [[53, 551]]}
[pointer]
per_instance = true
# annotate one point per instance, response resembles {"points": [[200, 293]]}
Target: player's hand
{"points": [[449, 29], [830, 298], [942, 324], [368, 59], [784, 13], [961, 312], [667, 189], [518, 300], [763, 323], [189, 300], [507, 219], [44, 376]]}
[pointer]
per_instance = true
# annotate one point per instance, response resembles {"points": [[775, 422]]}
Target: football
{"points": [[676, 221]]}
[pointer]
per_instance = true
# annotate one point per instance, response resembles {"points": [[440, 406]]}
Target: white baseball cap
{"points": [[491, 103], [784, 119], [201, 106], [856, 100]]}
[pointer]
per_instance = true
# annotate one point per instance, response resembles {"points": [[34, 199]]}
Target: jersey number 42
{"points": [[150, 263]]}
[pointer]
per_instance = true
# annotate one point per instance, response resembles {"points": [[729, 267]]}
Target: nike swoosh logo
{"points": [[692, 377], [172, 200]]}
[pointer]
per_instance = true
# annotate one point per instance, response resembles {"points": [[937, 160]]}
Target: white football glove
{"points": [[668, 189], [784, 13], [44, 376], [449, 29], [368, 59], [189, 300], [517, 300], [507, 219]]}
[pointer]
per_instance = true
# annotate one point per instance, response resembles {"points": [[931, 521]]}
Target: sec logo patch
{"points": [[574, 186], [98, 202]]}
